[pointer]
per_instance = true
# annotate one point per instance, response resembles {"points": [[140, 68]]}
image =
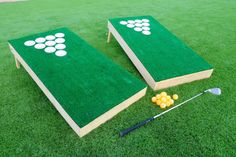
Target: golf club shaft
{"points": [[126, 131]]}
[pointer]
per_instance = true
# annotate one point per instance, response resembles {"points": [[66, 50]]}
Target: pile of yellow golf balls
{"points": [[163, 100]]}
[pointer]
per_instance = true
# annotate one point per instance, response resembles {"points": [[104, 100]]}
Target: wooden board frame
{"points": [[143, 71], [93, 124]]}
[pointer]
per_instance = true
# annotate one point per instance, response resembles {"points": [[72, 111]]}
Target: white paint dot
{"points": [[146, 32], [50, 37], [145, 20], [50, 43], [131, 21], [130, 25], [146, 28], [123, 22], [138, 29], [146, 24], [60, 46], [29, 43], [60, 35], [40, 40], [138, 21], [61, 53], [49, 49], [39, 46], [138, 24], [60, 40]]}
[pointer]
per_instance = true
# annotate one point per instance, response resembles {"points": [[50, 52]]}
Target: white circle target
{"points": [[60, 40], [61, 53], [29, 43], [40, 40], [49, 49], [138, 21], [123, 22], [146, 32], [131, 21], [145, 20], [50, 37], [146, 28], [39, 46], [59, 35], [130, 25], [146, 24], [60, 46], [50, 43], [138, 29]]}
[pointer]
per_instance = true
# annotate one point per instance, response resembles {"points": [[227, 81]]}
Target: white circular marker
{"points": [[61, 53], [29, 43], [130, 25], [39, 46], [60, 35], [50, 43], [60, 40], [138, 24], [50, 37], [146, 32], [146, 24], [123, 22], [40, 40], [146, 28], [131, 21], [138, 29], [49, 49], [145, 20], [138, 21], [60, 46]]}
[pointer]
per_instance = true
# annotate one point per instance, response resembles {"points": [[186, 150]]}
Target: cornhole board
{"points": [[162, 59], [85, 87]]}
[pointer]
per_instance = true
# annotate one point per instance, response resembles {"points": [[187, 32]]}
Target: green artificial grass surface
{"points": [[161, 53], [31, 126], [77, 80]]}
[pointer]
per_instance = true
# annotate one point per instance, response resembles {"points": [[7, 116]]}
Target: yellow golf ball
{"points": [[158, 102], [171, 101], [168, 103], [163, 94], [163, 105], [168, 97], [158, 96], [175, 97], [163, 99], [154, 99]]}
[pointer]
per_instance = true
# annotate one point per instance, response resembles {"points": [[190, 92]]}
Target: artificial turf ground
{"points": [[31, 126]]}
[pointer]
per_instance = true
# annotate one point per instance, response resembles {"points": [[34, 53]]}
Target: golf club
{"points": [[214, 91]]}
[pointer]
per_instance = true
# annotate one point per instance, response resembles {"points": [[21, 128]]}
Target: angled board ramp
{"points": [[162, 59], [84, 86]]}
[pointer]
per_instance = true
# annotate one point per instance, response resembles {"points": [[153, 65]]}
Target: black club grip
{"points": [[124, 132]]}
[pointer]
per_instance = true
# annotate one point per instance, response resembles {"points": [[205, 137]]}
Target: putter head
{"points": [[215, 91]]}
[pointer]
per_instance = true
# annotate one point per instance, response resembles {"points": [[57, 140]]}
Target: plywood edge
{"points": [[183, 79], [112, 112], [134, 59], [53, 100]]}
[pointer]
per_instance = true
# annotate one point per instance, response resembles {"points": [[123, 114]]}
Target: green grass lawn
{"points": [[31, 126]]}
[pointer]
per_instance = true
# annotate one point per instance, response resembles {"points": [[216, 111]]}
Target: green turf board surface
{"points": [[84, 82], [162, 53]]}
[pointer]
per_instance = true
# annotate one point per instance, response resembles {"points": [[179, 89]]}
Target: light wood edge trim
{"points": [[112, 112], [183, 79], [134, 59], [55, 103]]}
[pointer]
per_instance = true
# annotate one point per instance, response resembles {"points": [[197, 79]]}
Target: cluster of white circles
{"points": [[50, 44], [138, 25]]}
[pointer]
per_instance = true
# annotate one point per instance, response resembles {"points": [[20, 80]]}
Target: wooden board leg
{"points": [[109, 37], [17, 63]]}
